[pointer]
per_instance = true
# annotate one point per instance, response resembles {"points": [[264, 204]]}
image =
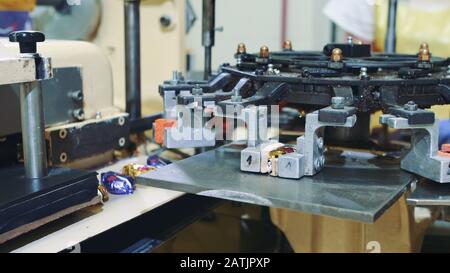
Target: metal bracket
{"points": [[423, 158], [308, 158]]}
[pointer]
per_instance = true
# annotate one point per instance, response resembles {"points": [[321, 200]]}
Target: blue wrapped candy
{"points": [[155, 161], [118, 184]]}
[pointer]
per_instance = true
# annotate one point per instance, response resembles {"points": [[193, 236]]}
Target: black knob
{"points": [[27, 40]]}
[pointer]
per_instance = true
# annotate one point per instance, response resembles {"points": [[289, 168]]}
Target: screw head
{"points": [[410, 106], [122, 141], [79, 114], [197, 90], [177, 76], [77, 95], [363, 73], [350, 39], [121, 121]]}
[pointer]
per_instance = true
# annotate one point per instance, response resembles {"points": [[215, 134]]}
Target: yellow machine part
{"points": [[17, 5], [414, 26]]}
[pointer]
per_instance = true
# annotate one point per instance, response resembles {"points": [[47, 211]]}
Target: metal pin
{"points": [[33, 127], [363, 73]]}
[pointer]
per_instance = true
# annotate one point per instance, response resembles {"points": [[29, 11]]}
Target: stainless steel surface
{"points": [[32, 117], [133, 58], [353, 186], [430, 194], [390, 41]]}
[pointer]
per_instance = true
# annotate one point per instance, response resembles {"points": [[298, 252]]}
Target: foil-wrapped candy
{"points": [[134, 169], [118, 184], [155, 161]]}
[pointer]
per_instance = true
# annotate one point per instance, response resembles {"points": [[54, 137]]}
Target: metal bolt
{"points": [[197, 90], [337, 55], [424, 45], [424, 55], [410, 106], [176, 76], [264, 52], [337, 102], [363, 73], [77, 95], [287, 45], [350, 39], [241, 48], [78, 114], [121, 121], [122, 141]]}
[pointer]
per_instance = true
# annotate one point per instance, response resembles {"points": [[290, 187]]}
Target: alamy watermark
{"points": [[196, 123], [73, 2]]}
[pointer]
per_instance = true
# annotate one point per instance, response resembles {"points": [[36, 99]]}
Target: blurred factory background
{"points": [[174, 27]]}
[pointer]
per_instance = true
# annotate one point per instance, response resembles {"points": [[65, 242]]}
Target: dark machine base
{"points": [[23, 201]]}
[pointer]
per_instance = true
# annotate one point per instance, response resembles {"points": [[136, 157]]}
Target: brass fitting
{"points": [[424, 55], [264, 52], [424, 45], [287, 45], [336, 55], [241, 49]]}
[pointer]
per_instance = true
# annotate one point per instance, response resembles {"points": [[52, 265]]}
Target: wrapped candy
{"points": [[117, 184], [134, 169], [155, 161]]}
